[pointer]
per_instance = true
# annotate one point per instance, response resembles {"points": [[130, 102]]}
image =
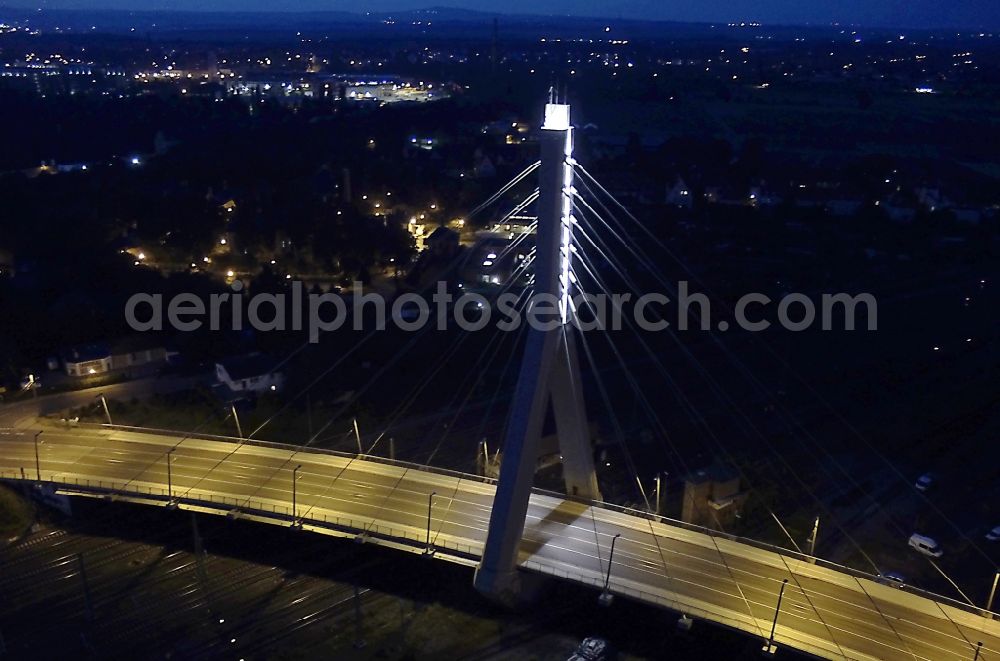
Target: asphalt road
{"points": [[826, 612], [24, 412]]}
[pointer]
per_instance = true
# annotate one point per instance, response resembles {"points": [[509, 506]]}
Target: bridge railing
{"points": [[624, 590], [764, 546], [237, 505], [296, 448], [686, 608]]}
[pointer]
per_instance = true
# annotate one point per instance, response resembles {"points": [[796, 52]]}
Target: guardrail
{"points": [[771, 548], [295, 449], [661, 601], [236, 506], [649, 516]]}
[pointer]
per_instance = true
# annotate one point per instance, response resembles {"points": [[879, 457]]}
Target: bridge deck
{"points": [[828, 612]]}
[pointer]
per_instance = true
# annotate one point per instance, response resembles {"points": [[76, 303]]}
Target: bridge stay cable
{"points": [[519, 305], [722, 557], [322, 375], [504, 189], [754, 382], [585, 343], [517, 337], [459, 259], [712, 435], [672, 382], [419, 333], [441, 363], [637, 391], [454, 263], [508, 365], [789, 368], [787, 417], [819, 502], [406, 469], [713, 384]]}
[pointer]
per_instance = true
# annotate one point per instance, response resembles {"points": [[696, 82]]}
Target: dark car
{"points": [[593, 649], [893, 579]]}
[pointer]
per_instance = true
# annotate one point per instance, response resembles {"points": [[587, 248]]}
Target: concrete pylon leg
{"points": [[497, 574], [571, 420], [549, 373]]}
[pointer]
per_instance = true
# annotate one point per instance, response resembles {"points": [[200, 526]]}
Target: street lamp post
{"points": [[357, 436], [482, 457], [236, 417], [295, 509], [170, 481], [812, 538], [107, 411], [659, 499], [769, 648], [38, 466], [993, 591], [430, 503], [606, 597]]}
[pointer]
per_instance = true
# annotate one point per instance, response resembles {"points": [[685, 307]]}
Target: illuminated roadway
{"points": [[829, 613]]}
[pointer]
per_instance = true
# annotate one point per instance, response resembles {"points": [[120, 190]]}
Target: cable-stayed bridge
{"points": [[508, 530], [826, 610]]}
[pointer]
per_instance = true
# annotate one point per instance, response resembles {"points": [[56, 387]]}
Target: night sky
{"points": [[889, 13]]}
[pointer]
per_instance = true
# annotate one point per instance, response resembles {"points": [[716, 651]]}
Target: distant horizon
{"points": [[870, 14]]}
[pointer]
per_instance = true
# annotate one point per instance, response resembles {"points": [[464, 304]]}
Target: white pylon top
{"points": [[556, 117]]}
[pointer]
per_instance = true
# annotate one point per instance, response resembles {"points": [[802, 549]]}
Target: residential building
{"points": [[127, 356], [712, 497], [250, 373]]}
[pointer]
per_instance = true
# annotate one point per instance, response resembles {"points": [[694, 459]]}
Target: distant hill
{"points": [[444, 20], [256, 14]]}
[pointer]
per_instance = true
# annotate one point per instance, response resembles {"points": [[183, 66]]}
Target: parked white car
{"points": [[924, 482], [993, 535], [926, 545]]}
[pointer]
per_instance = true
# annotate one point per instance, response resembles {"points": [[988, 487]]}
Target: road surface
{"points": [[830, 613], [24, 412]]}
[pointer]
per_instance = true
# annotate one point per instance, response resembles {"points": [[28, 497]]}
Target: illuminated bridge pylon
{"points": [[550, 372]]}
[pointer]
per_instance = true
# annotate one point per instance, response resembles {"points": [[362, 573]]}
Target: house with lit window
{"points": [[250, 373], [87, 360], [136, 355]]}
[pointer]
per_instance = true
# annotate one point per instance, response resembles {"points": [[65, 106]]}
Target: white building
{"points": [[253, 372]]}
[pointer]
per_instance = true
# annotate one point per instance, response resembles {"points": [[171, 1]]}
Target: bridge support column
{"points": [[550, 374]]}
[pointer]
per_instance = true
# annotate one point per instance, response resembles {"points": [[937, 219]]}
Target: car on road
{"points": [[926, 545], [892, 579], [925, 482], [593, 649], [993, 535]]}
